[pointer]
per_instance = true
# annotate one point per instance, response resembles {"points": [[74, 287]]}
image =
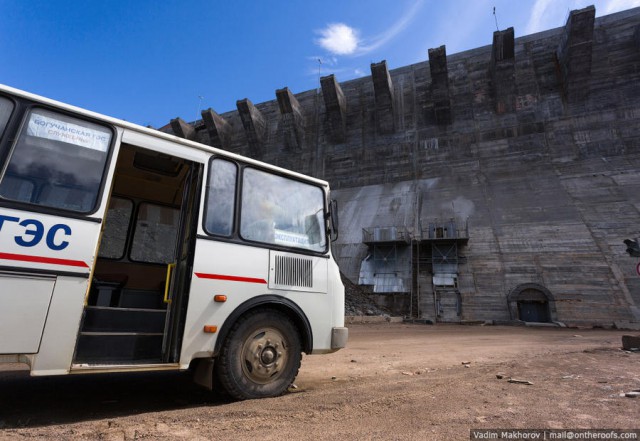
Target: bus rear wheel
{"points": [[260, 357]]}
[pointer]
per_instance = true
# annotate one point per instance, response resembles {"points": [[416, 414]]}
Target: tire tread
{"points": [[223, 367]]}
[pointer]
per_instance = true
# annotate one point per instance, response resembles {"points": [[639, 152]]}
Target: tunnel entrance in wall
{"points": [[531, 302]]}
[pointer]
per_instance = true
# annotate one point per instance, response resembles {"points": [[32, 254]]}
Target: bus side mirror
{"points": [[333, 216]]}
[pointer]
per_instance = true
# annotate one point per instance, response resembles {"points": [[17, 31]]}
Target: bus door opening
{"points": [[136, 305]]}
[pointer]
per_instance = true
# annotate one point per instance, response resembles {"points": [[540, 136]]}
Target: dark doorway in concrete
{"points": [[533, 311], [531, 302]]}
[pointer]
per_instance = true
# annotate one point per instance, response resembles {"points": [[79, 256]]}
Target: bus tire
{"points": [[260, 357]]}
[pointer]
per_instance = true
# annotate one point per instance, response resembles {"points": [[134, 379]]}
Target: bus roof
{"points": [[156, 133]]}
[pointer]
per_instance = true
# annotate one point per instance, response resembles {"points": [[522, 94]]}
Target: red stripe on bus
{"points": [[40, 259], [230, 278]]}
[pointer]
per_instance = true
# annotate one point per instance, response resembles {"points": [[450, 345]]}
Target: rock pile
{"points": [[358, 302]]}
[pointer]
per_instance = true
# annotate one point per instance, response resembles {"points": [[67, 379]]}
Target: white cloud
{"points": [[548, 14], [619, 5], [539, 16], [339, 39], [320, 66], [467, 21], [394, 30], [323, 61]]}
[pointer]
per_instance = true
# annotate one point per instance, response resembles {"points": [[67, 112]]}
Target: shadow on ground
{"points": [[41, 401]]}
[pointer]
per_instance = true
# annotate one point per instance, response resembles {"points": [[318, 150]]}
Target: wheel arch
{"points": [[279, 303]]}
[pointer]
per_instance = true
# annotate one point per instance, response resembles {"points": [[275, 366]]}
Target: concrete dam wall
{"points": [[492, 184]]}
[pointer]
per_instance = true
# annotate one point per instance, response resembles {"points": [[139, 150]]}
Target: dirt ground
{"points": [[394, 381]]}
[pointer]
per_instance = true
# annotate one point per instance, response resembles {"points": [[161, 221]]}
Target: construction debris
{"points": [[357, 301], [630, 342], [516, 381]]}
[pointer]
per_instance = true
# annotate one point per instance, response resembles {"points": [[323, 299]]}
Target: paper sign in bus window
{"points": [[42, 126]]}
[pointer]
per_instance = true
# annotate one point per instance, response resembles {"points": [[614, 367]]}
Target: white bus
{"points": [[123, 249]]}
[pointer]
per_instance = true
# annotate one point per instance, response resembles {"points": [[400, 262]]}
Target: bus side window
{"points": [[114, 236], [221, 190], [6, 107], [58, 161], [154, 237], [281, 211]]}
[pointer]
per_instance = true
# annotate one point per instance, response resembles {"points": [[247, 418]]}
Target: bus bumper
{"points": [[339, 337]]}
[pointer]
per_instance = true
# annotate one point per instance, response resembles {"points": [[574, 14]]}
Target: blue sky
{"points": [[149, 61]]}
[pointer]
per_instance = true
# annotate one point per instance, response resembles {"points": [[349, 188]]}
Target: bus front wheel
{"points": [[260, 357]]}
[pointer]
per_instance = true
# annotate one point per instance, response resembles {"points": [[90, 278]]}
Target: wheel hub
{"points": [[268, 355], [264, 355]]}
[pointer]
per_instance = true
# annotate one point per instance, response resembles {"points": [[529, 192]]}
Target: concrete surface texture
{"points": [[531, 142]]}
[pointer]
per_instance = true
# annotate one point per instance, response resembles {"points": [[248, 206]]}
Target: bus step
{"points": [[106, 319], [118, 348]]}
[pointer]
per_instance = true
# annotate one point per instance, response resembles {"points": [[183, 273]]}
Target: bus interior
{"points": [[137, 297]]}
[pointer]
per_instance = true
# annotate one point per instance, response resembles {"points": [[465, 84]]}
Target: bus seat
{"points": [[106, 289]]}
